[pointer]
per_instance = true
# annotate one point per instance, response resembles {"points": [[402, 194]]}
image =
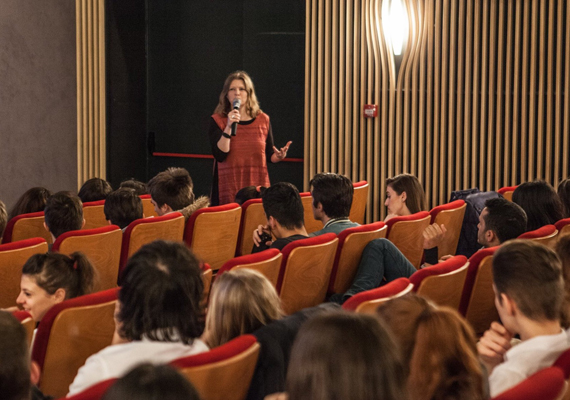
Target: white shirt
{"points": [[115, 361], [525, 359]]}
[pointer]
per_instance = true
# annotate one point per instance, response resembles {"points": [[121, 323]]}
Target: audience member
{"points": [[529, 290], [242, 301], [152, 382], [345, 356], [157, 314], [50, 278], [172, 190], [382, 262], [33, 200], [404, 196], [332, 199], [564, 195], [540, 202], [249, 193], [63, 213], [285, 218], [562, 248], [439, 346], [3, 219], [18, 376], [94, 189], [138, 186], [122, 207]]}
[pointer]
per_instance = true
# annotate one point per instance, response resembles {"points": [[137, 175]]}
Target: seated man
{"points": [[529, 289], [332, 199], [122, 207], [172, 190], [285, 218], [382, 262], [157, 315], [63, 213]]}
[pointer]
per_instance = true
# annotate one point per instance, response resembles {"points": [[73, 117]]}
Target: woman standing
{"points": [[240, 158]]}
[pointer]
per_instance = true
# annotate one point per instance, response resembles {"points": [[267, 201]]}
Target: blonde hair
{"points": [[251, 105], [242, 301]]}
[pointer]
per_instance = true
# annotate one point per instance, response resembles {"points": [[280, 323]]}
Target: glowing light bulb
{"points": [[395, 23]]}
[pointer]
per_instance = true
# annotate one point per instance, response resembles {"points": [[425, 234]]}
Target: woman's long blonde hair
{"points": [[242, 301], [251, 106]]}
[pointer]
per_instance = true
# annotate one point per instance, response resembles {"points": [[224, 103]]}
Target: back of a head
{"points": [[344, 356], [540, 202], [14, 359], [172, 187], [161, 293], [152, 382], [334, 192], [63, 213], [530, 274], [249, 193], [416, 199], [122, 207], [94, 189], [138, 186], [3, 219], [564, 195], [507, 219], [33, 200], [242, 301], [282, 202]]}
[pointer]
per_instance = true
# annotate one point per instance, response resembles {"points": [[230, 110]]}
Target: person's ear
{"points": [[59, 295], [508, 304], [45, 226], [109, 221], [404, 196], [490, 236], [34, 373], [165, 208], [83, 224]]}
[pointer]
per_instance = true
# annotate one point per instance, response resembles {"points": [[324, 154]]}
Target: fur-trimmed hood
{"points": [[201, 202]]}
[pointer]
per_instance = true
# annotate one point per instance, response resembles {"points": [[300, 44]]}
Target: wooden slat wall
{"points": [[91, 125], [481, 97]]}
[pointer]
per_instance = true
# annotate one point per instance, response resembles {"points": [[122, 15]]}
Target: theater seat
{"points": [[252, 215], [95, 392], [545, 235], [507, 192], [563, 226], [359, 202], [546, 384], [94, 214], [268, 262], [407, 235], [26, 226], [311, 224], [27, 322], [367, 302], [451, 216]]}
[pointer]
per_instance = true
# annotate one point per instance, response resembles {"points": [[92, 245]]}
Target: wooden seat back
{"points": [[26, 226], [367, 302], [68, 334], [311, 224], [207, 281], [212, 233], [28, 323], [102, 246], [352, 242], [545, 235], [359, 202], [94, 214], [305, 272], [406, 233], [267, 262], [223, 373], [12, 258], [451, 216], [563, 227], [252, 216], [507, 192]]}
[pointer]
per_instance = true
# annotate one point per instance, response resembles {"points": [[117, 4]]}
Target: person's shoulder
{"points": [[262, 116]]}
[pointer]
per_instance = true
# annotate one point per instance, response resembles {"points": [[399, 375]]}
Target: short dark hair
{"points": [[138, 186], [150, 382], [161, 293], [530, 274], [122, 207], [15, 365], [249, 193], [172, 187], [282, 202], [63, 213], [33, 200], [94, 189], [505, 218], [416, 199], [334, 192], [540, 202]]}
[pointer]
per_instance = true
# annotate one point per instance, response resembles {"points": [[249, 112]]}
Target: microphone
{"points": [[236, 105]]}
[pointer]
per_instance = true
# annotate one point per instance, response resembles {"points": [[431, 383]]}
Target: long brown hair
{"points": [[416, 199], [251, 105]]}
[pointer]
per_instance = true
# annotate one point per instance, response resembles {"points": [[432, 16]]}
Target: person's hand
{"points": [[493, 345], [233, 116], [445, 258], [261, 229], [434, 235], [280, 154]]}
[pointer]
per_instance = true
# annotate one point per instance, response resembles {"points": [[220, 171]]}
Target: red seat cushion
{"points": [[388, 290], [438, 269]]}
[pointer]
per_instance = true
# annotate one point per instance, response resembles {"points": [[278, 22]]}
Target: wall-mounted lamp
{"points": [[395, 24]]}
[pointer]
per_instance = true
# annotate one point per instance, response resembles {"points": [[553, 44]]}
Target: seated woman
{"points": [[33, 200], [94, 189], [242, 301], [346, 356], [439, 348], [157, 314], [540, 202], [50, 278], [249, 193], [404, 196]]}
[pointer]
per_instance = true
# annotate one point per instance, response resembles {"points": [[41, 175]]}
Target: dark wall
{"points": [[38, 97], [191, 47]]}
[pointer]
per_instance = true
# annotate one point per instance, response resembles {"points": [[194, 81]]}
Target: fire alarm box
{"points": [[370, 111]]}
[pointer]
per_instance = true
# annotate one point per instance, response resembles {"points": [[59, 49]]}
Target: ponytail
{"points": [[85, 274]]}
